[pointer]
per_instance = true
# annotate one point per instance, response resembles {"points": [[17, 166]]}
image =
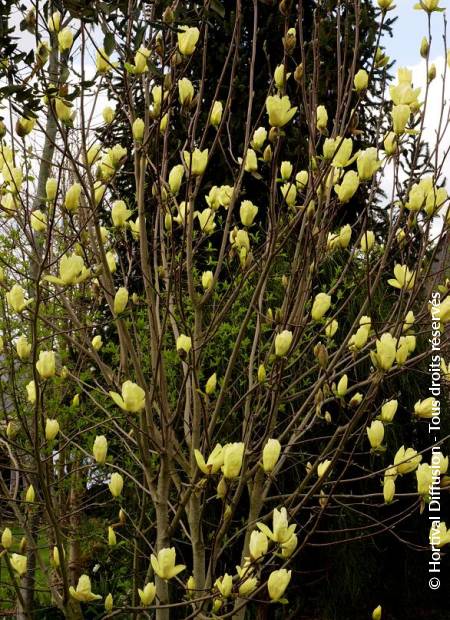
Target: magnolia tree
{"points": [[198, 378]]}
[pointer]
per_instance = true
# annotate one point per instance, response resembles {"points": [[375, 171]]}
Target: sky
{"points": [[408, 31]]}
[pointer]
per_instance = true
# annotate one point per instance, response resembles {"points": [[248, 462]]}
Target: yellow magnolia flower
{"points": [[390, 143], [147, 595], [288, 547], [102, 62], [279, 110], [271, 454], [120, 213], [424, 475], [439, 535], [108, 114], [224, 585], [100, 449], [51, 188], [140, 60], [388, 410], [206, 220], [164, 563], [216, 114], [250, 161], [46, 364], [259, 137], [211, 384], [115, 484], [72, 197], [376, 614], [72, 270], [322, 118], [283, 342], [51, 429], [331, 328], [30, 494], [248, 584], [424, 408], [16, 298], [281, 530], [289, 191], [384, 356], [109, 603], [54, 21], [323, 467], [19, 563], [38, 221], [321, 305], [24, 126], [97, 342], [416, 197], [367, 163], [214, 462], [367, 241], [247, 212], [361, 80], [347, 188], [175, 178], [112, 539], [132, 399], [277, 583], [196, 161], [7, 538], [400, 117], [83, 592], [342, 386], [138, 129], [404, 278], [120, 300], [23, 347], [65, 39], [184, 344], [207, 280], [429, 6], [258, 544], [185, 92], [233, 454], [406, 460], [375, 433], [31, 392], [388, 489], [187, 39]]}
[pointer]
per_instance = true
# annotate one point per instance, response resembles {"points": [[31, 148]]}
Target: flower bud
{"points": [[271, 454], [65, 39], [46, 365], [184, 344], [112, 540], [51, 429], [109, 603], [138, 129], [120, 300], [30, 494], [7, 538], [115, 484], [216, 114], [100, 449], [361, 80], [321, 305], [283, 342], [211, 384]]}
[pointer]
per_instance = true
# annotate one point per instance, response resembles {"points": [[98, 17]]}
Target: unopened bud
{"points": [[298, 73], [424, 47]]}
